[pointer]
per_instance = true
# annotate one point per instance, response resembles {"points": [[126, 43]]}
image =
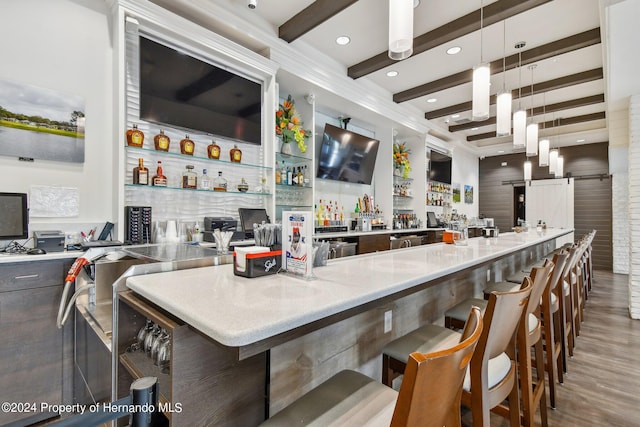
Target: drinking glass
{"points": [[142, 333], [151, 336]]}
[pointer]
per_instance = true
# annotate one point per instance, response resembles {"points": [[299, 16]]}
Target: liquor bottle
{"points": [[187, 146], [159, 180], [213, 150], [300, 177], [278, 175], [205, 182], [135, 137], [243, 187], [294, 176], [161, 141], [306, 177], [141, 173], [235, 154], [189, 178], [289, 176], [220, 184], [283, 174]]}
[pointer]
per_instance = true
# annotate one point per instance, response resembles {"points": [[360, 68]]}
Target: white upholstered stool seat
{"points": [[499, 368]]}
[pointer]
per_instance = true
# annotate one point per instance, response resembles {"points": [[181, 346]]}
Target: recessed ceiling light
{"points": [[581, 140], [392, 73], [343, 40], [454, 50], [455, 116], [431, 100], [474, 128], [500, 151], [503, 163]]}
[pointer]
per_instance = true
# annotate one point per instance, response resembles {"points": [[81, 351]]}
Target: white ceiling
{"points": [[365, 22]]}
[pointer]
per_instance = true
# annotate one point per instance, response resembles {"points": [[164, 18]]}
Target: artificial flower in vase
{"points": [[401, 162], [289, 127]]}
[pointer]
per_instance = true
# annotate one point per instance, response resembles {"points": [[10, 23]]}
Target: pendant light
{"points": [[503, 105], [527, 170], [543, 157], [400, 29], [520, 116], [553, 161], [532, 128], [559, 167], [481, 84]]}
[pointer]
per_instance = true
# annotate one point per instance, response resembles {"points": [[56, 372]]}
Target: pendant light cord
{"points": [[504, 55], [481, 22], [520, 79]]}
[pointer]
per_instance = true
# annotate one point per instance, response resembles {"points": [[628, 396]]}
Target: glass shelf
{"points": [[400, 196], [401, 179], [152, 188], [292, 187], [199, 158], [291, 158]]}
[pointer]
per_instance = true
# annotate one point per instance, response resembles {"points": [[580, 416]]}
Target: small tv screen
{"points": [[440, 168], [179, 90], [347, 156], [14, 216]]}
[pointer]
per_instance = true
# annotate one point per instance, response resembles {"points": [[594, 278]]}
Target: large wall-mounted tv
{"points": [[179, 90], [440, 167], [346, 156]]}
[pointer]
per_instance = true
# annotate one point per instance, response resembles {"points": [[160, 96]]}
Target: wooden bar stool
{"points": [[429, 395], [493, 377], [551, 323]]}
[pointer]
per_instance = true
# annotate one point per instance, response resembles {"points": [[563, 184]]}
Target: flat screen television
{"points": [[346, 156], [14, 216], [179, 90], [440, 168]]}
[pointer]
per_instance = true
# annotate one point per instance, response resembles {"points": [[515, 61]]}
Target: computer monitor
{"points": [[249, 216], [432, 221]]}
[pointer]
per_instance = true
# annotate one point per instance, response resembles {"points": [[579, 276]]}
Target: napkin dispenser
{"points": [[256, 261]]}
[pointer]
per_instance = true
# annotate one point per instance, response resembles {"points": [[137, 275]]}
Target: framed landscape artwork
{"points": [[40, 123], [468, 194], [456, 193]]}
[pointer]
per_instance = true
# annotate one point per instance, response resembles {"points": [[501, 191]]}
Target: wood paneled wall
{"points": [[592, 197]]}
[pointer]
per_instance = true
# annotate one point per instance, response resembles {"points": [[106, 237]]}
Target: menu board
{"points": [[297, 243]]}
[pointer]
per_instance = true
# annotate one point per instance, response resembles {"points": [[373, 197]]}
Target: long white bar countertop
{"points": [[237, 311]]}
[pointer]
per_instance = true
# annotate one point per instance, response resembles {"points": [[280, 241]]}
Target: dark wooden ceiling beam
{"points": [[558, 47], [493, 13], [551, 108], [310, 17], [549, 85], [565, 121]]}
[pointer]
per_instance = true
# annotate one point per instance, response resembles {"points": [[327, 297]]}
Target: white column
{"points": [[634, 206]]}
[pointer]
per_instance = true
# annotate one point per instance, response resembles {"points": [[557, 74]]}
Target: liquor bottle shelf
{"points": [[198, 158], [152, 188]]}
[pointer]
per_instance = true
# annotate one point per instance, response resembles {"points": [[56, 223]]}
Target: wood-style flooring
{"points": [[602, 387]]}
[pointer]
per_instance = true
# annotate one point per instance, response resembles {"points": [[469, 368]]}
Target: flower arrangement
{"points": [[401, 158], [289, 126]]}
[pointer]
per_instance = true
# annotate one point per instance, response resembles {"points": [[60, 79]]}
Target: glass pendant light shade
{"points": [[532, 139], [503, 114], [559, 167], [400, 29], [527, 170], [543, 157], [519, 128], [553, 161], [480, 99]]}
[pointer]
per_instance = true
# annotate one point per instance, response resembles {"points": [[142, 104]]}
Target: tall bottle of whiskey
{"points": [[235, 154], [189, 178], [161, 141], [141, 173], [135, 137], [159, 180], [187, 146], [213, 150]]}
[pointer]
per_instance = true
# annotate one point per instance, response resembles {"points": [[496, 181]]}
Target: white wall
{"points": [[464, 171], [65, 46]]}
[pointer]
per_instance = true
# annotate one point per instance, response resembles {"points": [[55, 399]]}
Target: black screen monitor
{"points": [[432, 221], [14, 216], [347, 156], [249, 216], [181, 90], [440, 167]]}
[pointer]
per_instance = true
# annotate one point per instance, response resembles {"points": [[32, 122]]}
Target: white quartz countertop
{"points": [[236, 311]]}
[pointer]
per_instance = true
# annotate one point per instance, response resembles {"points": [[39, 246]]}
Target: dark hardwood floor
{"points": [[602, 387]]}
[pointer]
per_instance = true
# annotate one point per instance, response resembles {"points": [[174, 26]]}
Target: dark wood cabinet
{"points": [[373, 243], [34, 366]]}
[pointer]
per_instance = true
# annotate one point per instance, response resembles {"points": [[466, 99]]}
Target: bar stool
{"points": [[551, 322], [529, 336], [429, 395], [493, 377]]}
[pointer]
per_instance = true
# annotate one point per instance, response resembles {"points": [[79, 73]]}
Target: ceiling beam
{"points": [[493, 13], [549, 85], [558, 47], [310, 17], [551, 108], [566, 121]]}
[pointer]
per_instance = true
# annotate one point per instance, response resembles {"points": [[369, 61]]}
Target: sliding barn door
{"points": [[551, 201]]}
